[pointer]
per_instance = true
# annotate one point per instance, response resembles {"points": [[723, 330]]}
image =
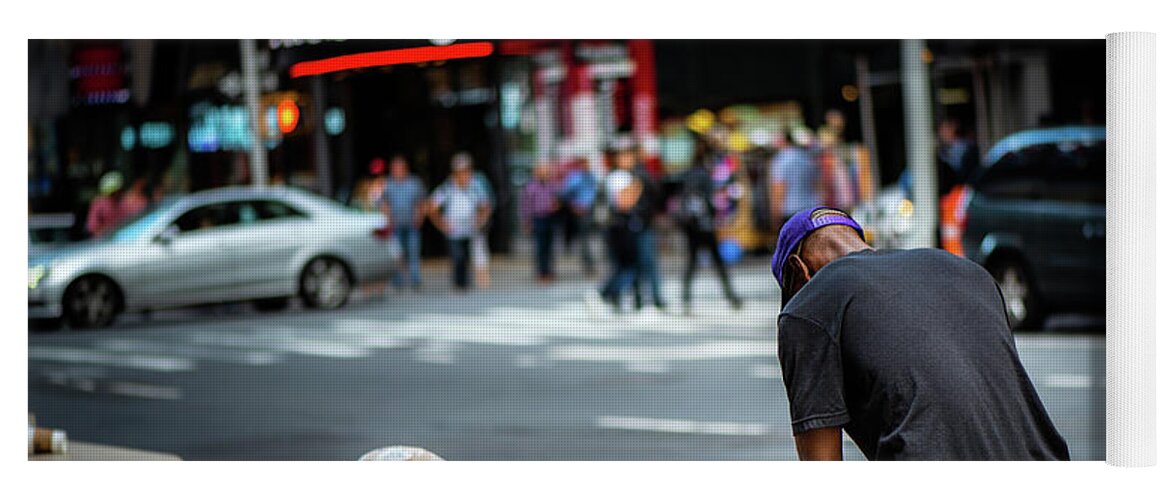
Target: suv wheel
{"points": [[1021, 302]]}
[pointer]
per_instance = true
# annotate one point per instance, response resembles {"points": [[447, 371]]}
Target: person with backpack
{"points": [[698, 218]]}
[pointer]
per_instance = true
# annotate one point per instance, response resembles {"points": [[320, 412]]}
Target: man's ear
{"points": [[795, 262]]}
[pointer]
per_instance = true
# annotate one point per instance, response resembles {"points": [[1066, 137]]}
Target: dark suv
{"points": [[1035, 217]]}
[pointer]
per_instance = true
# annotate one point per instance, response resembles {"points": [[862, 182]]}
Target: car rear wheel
{"points": [[325, 284], [1021, 303], [91, 302]]}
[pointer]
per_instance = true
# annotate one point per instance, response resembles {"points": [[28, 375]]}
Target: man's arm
{"points": [[777, 197], [820, 444], [483, 212], [435, 213]]}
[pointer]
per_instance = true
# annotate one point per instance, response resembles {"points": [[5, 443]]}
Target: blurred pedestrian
{"points": [[641, 220], [404, 204], [908, 351], [368, 191], [794, 178], [838, 179], [538, 211], [480, 254], [622, 193], [957, 156], [578, 191], [105, 211], [698, 217], [135, 199], [460, 210]]}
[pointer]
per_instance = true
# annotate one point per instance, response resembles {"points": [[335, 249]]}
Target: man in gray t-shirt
{"points": [[459, 209], [403, 202], [907, 351]]}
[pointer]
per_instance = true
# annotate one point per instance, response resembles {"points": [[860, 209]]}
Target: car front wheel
{"points": [[91, 302], [325, 284]]}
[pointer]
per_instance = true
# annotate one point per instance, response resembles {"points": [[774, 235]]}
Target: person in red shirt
{"points": [[105, 211], [134, 200]]}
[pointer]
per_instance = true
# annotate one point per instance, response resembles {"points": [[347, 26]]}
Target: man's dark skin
{"points": [[816, 251]]}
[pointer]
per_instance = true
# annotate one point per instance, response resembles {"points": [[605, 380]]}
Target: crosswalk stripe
{"points": [[676, 426], [120, 360]]}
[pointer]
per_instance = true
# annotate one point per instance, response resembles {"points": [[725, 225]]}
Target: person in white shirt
{"points": [[460, 210]]}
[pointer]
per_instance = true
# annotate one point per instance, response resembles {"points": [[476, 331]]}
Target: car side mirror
{"points": [[167, 235]]}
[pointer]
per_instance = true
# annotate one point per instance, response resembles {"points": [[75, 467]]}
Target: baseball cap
{"points": [[377, 166], [110, 182], [798, 227]]}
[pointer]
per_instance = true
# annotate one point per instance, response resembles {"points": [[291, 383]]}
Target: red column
{"points": [[645, 101]]}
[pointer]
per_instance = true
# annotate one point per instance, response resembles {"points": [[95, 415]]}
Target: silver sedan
{"points": [[223, 245]]}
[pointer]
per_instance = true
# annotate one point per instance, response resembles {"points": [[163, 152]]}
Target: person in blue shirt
{"points": [[578, 191], [404, 203], [794, 180]]}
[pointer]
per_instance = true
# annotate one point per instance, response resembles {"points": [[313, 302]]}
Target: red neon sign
{"points": [[390, 57]]}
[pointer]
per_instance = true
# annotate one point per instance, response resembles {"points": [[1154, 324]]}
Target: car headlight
{"points": [[36, 274]]}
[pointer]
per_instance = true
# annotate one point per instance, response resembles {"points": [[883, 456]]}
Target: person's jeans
{"points": [[623, 261], [543, 231], [697, 241], [408, 238], [460, 252], [648, 267]]}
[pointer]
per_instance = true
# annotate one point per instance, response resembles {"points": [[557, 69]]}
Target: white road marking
{"points": [[525, 361], [200, 352], [121, 360], [147, 391], [673, 426], [436, 352], [1068, 381], [1064, 342], [647, 366], [642, 354], [766, 371]]}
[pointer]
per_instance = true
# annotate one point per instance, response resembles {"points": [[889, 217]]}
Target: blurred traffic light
{"points": [[287, 115]]}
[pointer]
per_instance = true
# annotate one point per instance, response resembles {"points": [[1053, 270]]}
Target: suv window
{"points": [[1067, 171]]}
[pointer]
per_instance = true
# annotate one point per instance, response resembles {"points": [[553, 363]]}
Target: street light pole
{"points": [[257, 156], [320, 141], [920, 143]]}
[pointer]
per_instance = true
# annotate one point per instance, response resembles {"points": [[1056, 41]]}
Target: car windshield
{"points": [[133, 228]]}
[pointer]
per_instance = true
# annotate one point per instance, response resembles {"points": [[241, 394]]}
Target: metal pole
{"points": [[920, 143], [980, 100], [866, 106], [257, 156], [320, 142]]}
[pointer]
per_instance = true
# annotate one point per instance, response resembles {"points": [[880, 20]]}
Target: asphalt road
{"points": [[508, 373]]}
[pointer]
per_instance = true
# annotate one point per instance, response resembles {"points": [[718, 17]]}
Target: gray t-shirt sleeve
{"points": [[811, 363]]}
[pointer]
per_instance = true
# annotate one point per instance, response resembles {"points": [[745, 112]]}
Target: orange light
{"points": [[287, 115]]}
